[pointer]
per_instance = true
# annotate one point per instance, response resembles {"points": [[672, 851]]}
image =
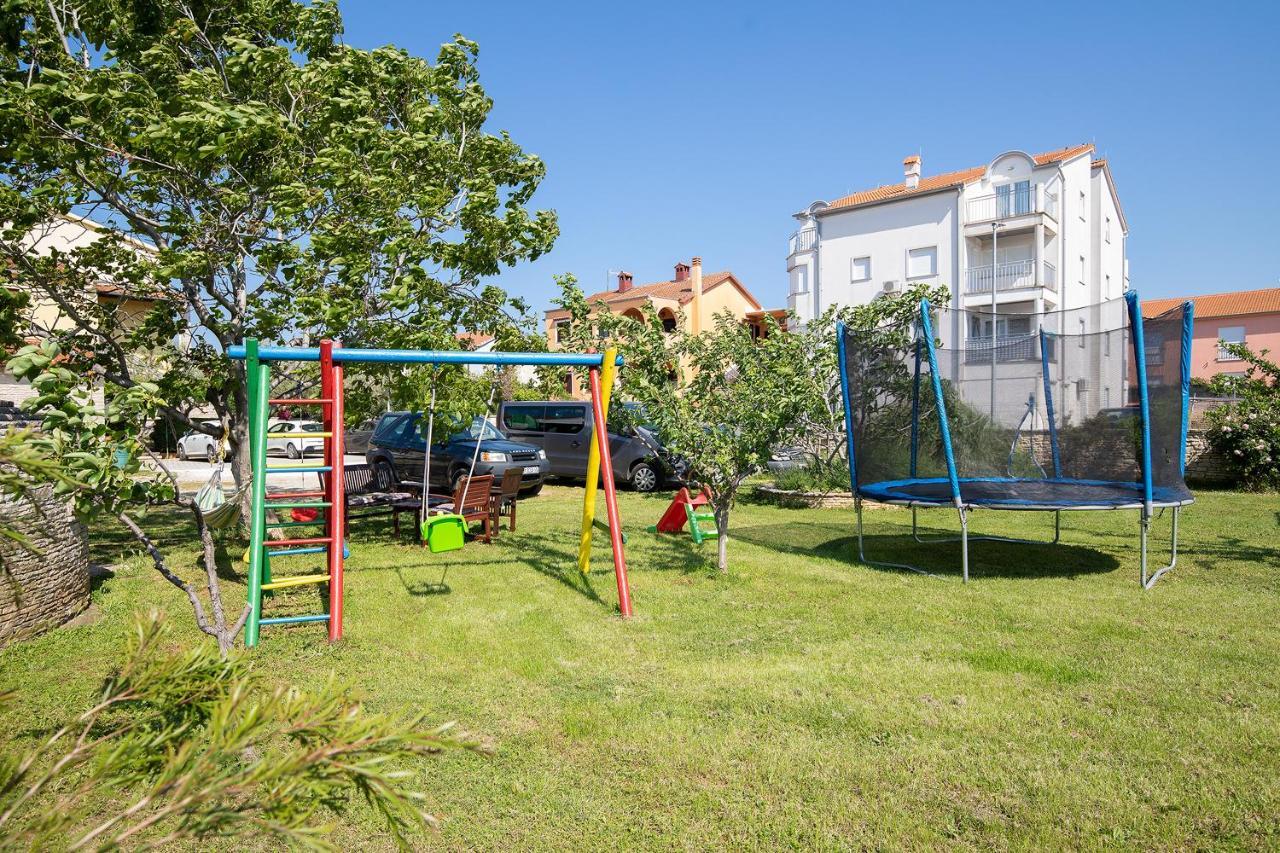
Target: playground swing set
{"points": [[328, 502]]}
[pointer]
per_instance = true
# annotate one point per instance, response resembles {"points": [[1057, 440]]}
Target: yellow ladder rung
{"points": [[300, 580], [304, 435]]}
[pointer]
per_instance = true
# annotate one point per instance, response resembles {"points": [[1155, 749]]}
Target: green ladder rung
{"points": [[299, 505]]}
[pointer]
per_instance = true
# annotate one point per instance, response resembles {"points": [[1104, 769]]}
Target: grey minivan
{"points": [[563, 429]]}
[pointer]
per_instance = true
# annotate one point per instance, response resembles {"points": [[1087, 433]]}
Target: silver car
{"points": [[199, 445], [295, 439]]}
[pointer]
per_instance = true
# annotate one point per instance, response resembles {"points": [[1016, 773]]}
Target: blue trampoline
{"points": [[1017, 409]]}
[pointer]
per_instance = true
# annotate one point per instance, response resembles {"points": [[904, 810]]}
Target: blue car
{"points": [[398, 442]]}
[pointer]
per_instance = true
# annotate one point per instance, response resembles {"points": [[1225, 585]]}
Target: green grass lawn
{"points": [[805, 700]]}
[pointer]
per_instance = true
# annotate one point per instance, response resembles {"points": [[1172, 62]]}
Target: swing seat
{"points": [[444, 532]]}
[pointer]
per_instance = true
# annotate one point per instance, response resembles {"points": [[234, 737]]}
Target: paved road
{"points": [[195, 474]]}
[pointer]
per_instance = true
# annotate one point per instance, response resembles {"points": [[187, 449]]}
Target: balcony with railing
{"points": [[1011, 275], [802, 240], [1008, 349], [1011, 201]]}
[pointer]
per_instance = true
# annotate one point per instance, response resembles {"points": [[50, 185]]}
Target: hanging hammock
{"points": [[219, 512]]}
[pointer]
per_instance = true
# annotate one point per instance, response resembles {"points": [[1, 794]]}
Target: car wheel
{"points": [[182, 453], [644, 477], [384, 475], [211, 454], [291, 451]]}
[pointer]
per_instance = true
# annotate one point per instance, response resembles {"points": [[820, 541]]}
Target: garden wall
{"points": [[39, 591]]}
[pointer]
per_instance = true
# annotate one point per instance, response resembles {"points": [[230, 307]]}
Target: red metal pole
{"points": [[331, 385], [610, 496]]}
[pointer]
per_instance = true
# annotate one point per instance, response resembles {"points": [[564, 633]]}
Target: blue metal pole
{"points": [[926, 328], [1048, 403], [848, 407], [1188, 322], [1144, 407]]}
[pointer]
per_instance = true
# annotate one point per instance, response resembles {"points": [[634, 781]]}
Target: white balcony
{"points": [[1012, 275], [802, 241], [1011, 202]]}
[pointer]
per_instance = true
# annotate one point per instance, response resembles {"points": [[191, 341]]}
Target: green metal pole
{"points": [[259, 382]]}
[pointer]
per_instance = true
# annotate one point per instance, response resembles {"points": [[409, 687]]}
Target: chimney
{"points": [[911, 171], [624, 282], [697, 294], [682, 270]]}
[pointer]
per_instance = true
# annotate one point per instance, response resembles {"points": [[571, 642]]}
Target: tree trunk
{"points": [[722, 543]]}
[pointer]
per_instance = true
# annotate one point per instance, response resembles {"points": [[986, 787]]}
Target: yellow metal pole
{"points": [[607, 373]]}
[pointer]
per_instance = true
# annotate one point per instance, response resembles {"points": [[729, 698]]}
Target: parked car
{"points": [[397, 446], [355, 440], [564, 430], [199, 445], [291, 438], [789, 458]]}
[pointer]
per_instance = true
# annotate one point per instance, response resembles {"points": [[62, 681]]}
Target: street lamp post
{"points": [[996, 225]]}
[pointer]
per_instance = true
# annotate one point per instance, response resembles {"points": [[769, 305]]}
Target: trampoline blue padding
{"points": [[1023, 493]]}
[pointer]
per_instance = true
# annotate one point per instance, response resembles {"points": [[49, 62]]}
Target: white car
{"points": [[291, 438], [198, 445]]}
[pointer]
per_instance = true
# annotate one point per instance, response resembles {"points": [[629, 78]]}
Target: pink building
{"points": [[1243, 316]]}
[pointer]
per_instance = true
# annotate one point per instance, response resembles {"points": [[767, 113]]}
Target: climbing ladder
{"points": [[702, 524], [327, 502]]}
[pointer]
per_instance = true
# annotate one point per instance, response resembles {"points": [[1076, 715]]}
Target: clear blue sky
{"points": [[675, 129]]}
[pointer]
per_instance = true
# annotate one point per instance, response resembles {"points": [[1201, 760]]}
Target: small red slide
{"points": [[675, 518]]}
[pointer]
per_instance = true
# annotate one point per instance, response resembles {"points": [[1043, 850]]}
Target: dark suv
{"points": [[398, 442], [563, 429]]}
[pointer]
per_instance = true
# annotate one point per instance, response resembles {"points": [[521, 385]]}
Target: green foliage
{"points": [[720, 399], [92, 455], [194, 748], [1247, 432], [255, 177], [887, 321], [818, 476]]}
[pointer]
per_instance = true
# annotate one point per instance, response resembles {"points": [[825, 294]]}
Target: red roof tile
{"points": [[949, 179], [678, 290], [1233, 304]]}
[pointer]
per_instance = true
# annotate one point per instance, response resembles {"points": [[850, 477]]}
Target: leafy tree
{"points": [[98, 459], [889, 320], [1247, 432], [721, 399], [257, 177], [192, 747]]}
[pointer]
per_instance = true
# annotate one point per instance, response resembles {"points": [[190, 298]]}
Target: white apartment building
{"points": [[1046, 231]]}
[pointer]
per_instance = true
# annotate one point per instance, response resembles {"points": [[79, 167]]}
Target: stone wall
{"points": [[39, 591]]}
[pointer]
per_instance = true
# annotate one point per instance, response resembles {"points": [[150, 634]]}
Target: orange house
{"points": [[691, 300], [1244, 316]]}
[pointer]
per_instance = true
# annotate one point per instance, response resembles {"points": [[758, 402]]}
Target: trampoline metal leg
{"points": [[862, 556], [964, 542], [1148, 580]]}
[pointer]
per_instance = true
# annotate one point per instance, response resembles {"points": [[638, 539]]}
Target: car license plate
{"points": [[531, 469]]}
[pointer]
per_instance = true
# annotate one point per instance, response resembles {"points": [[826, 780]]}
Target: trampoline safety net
{"points": [[1020, 409]]}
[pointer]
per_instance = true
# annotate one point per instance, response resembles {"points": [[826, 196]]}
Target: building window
{"points": [[1083, 277], [1083, 205], [1106, 397], [562, 330], [1229, 335], [860, 269], [922, 262], [1082, 333], [1106, 229], [1013, 199]]}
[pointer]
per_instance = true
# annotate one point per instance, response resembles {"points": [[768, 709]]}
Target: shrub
{"points": [[816, 477], [1247, 432]]}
